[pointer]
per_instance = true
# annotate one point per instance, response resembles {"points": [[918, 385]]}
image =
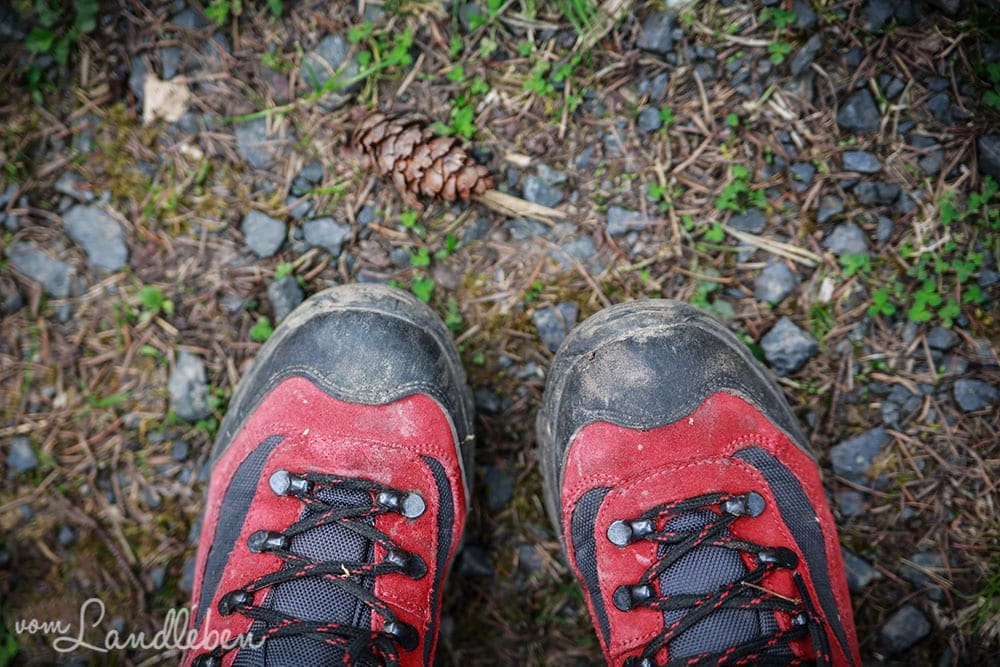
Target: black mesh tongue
{"points": [[706, 569], [313, 598]]}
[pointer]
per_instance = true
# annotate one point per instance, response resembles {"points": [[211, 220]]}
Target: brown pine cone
{"points": [[403, 147]]}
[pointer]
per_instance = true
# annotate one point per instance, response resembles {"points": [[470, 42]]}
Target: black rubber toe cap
{"points": [[367, 344], [645, 364]]}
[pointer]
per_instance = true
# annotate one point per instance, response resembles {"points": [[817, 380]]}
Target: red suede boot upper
{"points": [[386, 444], [690, 457]]}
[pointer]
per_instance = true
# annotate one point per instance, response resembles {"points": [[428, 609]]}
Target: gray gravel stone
{"points": [[499, 483], [655, 34], [32, 263], [930, 164], [551, 176], [649, 120], [99, 235], [623, 220], [801, 174], [853, 458], [940, 107], [787, 347], [887, 193], [322, 63], [581, 249], [538, 191], [859, 113], [850, 502], [487, 400], [529, 560], [898, 403], [861, 161], [326, 233], [179, 450], [188, 388], [859, 572], [846, 238], [891, 87], [974, 395], [554, 322], [775, 282], [157, 576], [170, 62], [989, 155], [137, 77], [252, 143], [284, 295], [72, 185], [904, 629], [805, 17], [66, 535], [187, 575], [263, 233], [877, 12], [656, 87], [940, 338], [474, 561], [829, 206], [753, 220], [21, 457], [883, 231], [802, 60], [188, 18], [924, 564], [906, 14]]}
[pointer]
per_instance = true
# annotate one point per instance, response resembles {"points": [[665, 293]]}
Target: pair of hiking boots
{"points": [[690, 507]]}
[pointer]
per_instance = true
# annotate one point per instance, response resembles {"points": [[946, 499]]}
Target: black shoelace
{"points": [[361, 645], [747, 592]]}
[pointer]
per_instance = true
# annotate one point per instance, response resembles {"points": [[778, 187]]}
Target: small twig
{"points": [[787, 250], [516, 207]]}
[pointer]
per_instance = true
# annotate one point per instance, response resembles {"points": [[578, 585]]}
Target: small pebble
{"points": [[853, 458], [787, 347], [22, 457], [284, 295], [972, 395], [859, 572], [861, 161], [846, 238], [775, 282], [263, 233], [554, 323], [753, 220], [904, 629]]}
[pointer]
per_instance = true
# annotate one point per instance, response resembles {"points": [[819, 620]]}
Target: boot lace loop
{"points": [[361, 645], [747, 592]]}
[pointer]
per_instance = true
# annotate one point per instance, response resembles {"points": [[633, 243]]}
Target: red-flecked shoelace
{"points": [[746, 592], [361, 645]]}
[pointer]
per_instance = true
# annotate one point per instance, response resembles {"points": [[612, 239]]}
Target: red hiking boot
{"points": [[338, 490], [691, 508]]}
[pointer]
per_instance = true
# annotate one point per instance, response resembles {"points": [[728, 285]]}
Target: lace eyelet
{"points": [[267, 540], [779, 556], [410, 505], [233, 600], [626, 598], [402, 633], [621, 533], [284, 483], [409, 564], [749, 504], [636, 661], [207, 660]]}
